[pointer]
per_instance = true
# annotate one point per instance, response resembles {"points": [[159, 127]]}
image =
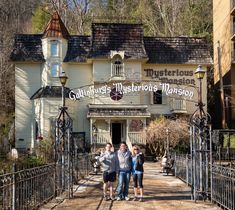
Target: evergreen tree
{"points": [[40, 19]]}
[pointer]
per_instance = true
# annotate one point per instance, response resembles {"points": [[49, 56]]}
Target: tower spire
{"points": [[56, 27]]}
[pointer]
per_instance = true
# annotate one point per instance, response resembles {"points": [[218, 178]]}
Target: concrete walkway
{"points": [[161, 192]]}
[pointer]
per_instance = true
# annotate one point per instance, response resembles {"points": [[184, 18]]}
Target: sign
{"points": [[181, 77], [125, 89]]}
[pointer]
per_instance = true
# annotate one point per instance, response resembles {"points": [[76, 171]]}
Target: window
{"points": [[54, 48], [157, 97], [117, 67], [54, 70]]}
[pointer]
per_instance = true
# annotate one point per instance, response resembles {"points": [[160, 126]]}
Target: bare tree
{"points": [[15, 17], [157, 134]]}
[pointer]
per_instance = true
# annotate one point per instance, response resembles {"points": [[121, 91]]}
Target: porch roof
{"points": [[117, 111]]}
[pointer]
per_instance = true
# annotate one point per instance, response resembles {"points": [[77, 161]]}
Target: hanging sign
{"points": [[125, 89]]}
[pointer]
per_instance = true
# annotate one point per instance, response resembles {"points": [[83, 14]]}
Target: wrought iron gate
{"points": [[64, 152]]}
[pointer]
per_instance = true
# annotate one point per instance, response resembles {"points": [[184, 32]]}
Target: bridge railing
{"points": [[30, 188], [221, 180]]}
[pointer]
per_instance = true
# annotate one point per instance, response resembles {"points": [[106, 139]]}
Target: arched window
{"points": [[117, 66]]}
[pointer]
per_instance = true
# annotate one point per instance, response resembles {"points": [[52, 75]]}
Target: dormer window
{"points": [[55, 69], [117, 67], [54, 48]]}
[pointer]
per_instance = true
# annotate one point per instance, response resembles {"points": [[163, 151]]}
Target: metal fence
{"points": [[183, 168], [30, 188], [223, 186], [221, 182], [27, 189]]}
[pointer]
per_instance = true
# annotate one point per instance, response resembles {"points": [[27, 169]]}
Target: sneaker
{"points": [[112, 198], [127, 198], [141, 200], [135, 199], [118, 199]]}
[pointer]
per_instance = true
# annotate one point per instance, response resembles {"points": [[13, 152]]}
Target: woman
{"points": [[137, 171], [109, 163]]}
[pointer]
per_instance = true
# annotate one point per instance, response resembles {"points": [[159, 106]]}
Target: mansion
{"points": [[118, 80]]}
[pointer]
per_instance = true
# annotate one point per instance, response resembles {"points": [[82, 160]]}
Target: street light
{"points": [[63, 79], [200, 73], [64, 149], [198, 147]]}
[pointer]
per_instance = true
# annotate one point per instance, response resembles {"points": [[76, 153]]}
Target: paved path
{"points": [[161, 192]]}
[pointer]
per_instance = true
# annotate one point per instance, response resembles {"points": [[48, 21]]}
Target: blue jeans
{"points": [[123, 184]]}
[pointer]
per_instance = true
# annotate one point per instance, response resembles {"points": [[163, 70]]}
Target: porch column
{"points": [[110, 139], [127, 130], [144, 122], [144, 126], [91, 132]]}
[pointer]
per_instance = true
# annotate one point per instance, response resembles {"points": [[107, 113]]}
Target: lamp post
{"points": [[167, 142], [64, 147], [63, 79], [199, 120], [200, 73]]}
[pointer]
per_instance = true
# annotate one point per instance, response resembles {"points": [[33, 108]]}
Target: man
{"points": [[109, 163], [125, 166]]}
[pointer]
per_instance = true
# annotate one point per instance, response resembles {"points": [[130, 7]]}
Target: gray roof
{"points": [[50, 91], [120, 37], [177, 50], [78, 49], [27, 47]]}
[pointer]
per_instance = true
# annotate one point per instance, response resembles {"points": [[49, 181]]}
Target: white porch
{"points": [[110, 123]]}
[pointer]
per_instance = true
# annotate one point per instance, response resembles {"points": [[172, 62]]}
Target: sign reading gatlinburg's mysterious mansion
{"points": [[118, 79]]}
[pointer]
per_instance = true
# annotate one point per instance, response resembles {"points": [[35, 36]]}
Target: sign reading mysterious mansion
{"points": [[183, 77]]}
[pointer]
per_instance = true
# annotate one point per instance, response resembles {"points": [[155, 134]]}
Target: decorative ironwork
{"points": [[30, 188], [64, 151], [27, 189], [223, 186]]}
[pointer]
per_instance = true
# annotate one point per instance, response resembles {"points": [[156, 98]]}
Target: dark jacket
{"points": [[140, 162]]}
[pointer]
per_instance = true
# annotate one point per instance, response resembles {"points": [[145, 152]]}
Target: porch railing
{"points": [[102, 137], [178, 106], [137, 138], [117, 70]]}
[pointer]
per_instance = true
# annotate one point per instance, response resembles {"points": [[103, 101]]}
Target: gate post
{"points": [[14, 186]]}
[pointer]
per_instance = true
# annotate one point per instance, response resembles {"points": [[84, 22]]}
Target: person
{"points": [[109, 162], [125, 164], [164, 162], [137, 171]]}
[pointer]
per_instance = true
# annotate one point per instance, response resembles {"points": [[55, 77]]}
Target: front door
{"points": [[116, 133]]}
